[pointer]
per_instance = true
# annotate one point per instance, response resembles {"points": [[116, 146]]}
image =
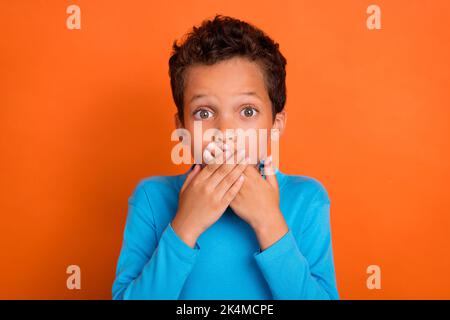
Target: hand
{"points": [[257, 203], [206, 193]]}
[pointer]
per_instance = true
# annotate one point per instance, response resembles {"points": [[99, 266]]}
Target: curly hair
{"points": [[223, 38]]}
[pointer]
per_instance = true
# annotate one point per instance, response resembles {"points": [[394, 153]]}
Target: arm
{"points": [[148, 268], [303, 268]]}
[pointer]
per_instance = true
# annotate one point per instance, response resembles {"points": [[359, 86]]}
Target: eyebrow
{"points": [[247, 93], [197, 96], [250, 93]]}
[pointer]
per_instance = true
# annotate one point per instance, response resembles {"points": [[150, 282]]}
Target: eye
{"points": [[249, 112], [202, 114]]}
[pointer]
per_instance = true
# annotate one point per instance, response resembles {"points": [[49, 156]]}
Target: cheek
{"points": [[265, 141]]}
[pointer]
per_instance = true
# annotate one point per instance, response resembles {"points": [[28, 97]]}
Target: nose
{"points": [[226, 136], [227, 130]]}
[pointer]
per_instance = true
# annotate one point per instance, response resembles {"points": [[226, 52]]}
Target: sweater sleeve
{"points": [[149, 268], [303, 268]]}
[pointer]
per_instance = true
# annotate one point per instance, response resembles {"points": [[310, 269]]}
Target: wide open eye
{"points": [[248, 112], [202, 114]]}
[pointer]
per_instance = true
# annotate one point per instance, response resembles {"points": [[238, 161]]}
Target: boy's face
{"points": [[230, 94]]}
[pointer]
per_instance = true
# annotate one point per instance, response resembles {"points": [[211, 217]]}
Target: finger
{"points": [[221, 156], [208, 156], [190, 176], [215, 148], [226, 168], [231, 178], [210, 152], [253, 172], [213, 152], [233, 190], [210, 168]]}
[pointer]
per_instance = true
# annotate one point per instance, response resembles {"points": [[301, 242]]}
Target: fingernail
{"points": [[207, 156]]}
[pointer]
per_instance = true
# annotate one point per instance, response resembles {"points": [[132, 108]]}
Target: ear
{"points": [[177, 120], [280, 121]]}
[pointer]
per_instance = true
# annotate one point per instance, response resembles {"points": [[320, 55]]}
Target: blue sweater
{"points": [[226, 262]]}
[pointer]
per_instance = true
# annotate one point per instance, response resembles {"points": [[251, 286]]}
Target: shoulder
{"points": [[155, 185], [308, 198], [310, 189], [158, 182]]}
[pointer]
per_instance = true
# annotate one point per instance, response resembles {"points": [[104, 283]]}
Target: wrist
{"points": [[268, 222], [185, 232], [271, 231]]}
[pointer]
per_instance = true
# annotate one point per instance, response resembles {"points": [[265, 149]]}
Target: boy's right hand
{"points": [[206, 194]]}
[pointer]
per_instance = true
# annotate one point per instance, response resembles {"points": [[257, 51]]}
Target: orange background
{"points": [[85, 114]]}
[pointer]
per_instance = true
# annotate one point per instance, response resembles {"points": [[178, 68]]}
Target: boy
{"points": [[223, 230]]}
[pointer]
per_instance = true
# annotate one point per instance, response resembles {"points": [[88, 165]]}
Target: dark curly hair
{"points": [[222, 38]]}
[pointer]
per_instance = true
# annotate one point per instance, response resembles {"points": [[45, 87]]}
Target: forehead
{"points": [[225, 78]]}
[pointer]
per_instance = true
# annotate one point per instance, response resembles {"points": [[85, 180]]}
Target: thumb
{"points": [[269, 172], [190, 176]]}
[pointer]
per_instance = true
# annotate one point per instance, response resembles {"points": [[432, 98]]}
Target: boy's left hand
{"points": [[258, 203]]}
